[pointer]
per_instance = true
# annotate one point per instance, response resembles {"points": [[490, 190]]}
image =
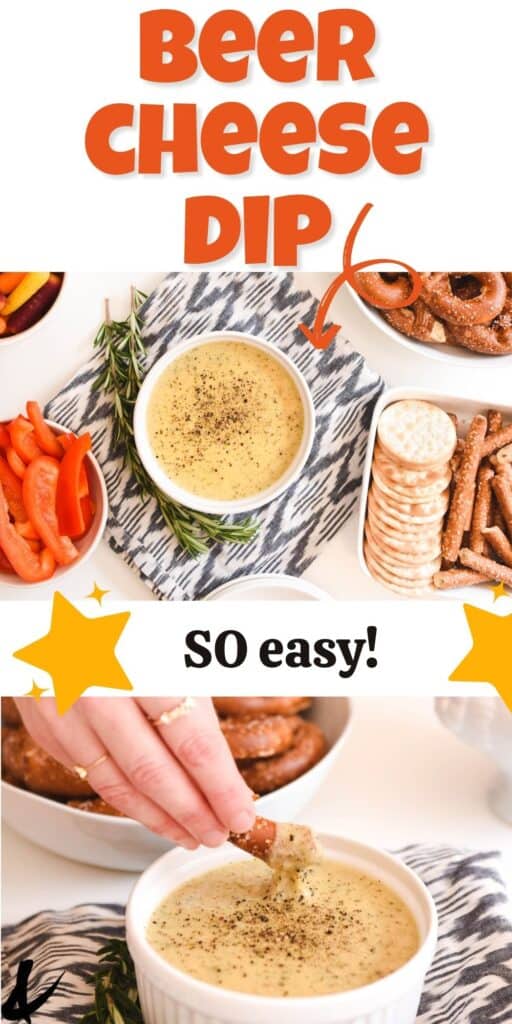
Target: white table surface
{"points": [[400, 778], [38, 368]]}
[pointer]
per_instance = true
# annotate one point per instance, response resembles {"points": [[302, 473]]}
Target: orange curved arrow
{"points": [[321, 336]]}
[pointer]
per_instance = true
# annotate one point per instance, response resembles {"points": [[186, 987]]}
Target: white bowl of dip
{"points": [[196, 458], [169, 996]]}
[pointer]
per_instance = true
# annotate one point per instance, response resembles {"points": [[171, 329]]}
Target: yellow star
{"points": [[489, 659], [78, 652], [97, 593], [500, 591], [36, 691]]}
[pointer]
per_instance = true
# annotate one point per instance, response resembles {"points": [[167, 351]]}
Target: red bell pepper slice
{"points": [[45, 437], [17, 465], [29, 565], [40, 497], [12, 491], [5, 565], [23, 439], [69, 490], [5, 439]]}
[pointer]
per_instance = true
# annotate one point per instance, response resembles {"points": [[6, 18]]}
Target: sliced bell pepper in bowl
{"points": [[70, 487], [45, 437], [30, 566], [40, 499], [11, 484]]}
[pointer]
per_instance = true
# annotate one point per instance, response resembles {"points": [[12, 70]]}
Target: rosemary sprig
{"points": [[122, 347], [116, 1000]]}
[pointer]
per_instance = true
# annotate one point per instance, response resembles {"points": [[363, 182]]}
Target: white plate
{"points": [[464, 409], [442, 353], [123, 844], [267, 586]]}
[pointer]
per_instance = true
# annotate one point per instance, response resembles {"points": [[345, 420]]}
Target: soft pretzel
{"points": [[439, 292], [417, 321], [256, 707], [263, 776], [492, 339], [248, 738], [384, 291]]}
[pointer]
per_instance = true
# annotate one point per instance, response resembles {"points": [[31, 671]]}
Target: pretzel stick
{"points": [[494, 421], [492, 570], [499, 543], [278, 844], [495, 441], [503, 491], [259, 841], [481, 510], [464, 483], [452, 578]]}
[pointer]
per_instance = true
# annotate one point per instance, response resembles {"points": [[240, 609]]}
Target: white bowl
{"points": [[267, 586], [169, 996], [123, 844], [86, 545], [464, 409], [442, 352], [195, 501], [13, 339]]}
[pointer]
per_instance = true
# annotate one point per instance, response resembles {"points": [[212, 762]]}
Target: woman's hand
{"points": [[179, 779]]}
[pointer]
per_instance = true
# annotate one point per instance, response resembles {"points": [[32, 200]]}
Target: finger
{"points": [[197, 742], [149, 766], [81, 746], [35, 724]]}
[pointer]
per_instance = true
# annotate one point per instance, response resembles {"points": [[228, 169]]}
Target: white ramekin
{"points": [[86, 545], [195, 501], [169, 996], [16, 339]]}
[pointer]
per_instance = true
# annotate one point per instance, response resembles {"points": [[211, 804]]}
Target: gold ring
{"points": [[183, 708], [83, 772]]}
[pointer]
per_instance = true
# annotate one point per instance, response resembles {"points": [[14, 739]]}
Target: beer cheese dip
{"points": [[225, 420], [231, 927]]}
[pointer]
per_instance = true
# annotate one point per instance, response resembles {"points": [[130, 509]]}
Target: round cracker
{"points": [[438, 505], [414, 531], [399, 586], [406, 477], [406, 546], [417, 434], [397, 516], [412, 573], [406, 558], [420, 493]]}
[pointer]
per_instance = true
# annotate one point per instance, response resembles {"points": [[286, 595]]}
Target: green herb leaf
{"points": [[116, 999]]}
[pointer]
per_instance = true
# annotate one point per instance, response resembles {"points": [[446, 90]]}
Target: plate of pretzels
{"points": [[457, 316], [283, 746]]}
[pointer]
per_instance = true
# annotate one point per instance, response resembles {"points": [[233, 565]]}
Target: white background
{"points": [[400, 778], [61, 61]]}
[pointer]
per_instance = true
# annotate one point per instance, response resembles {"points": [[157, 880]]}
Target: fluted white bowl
{"points": [[169, 996]]}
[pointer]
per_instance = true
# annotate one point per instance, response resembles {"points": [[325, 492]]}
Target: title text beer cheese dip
{"points": [[231, 927], [225, 420]]}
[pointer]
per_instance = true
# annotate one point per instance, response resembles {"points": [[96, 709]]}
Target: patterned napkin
{"points": [[295, 526], [470, 981]]}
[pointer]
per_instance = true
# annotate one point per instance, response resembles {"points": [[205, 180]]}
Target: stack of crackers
{"points": [[409, 496], [439, 512]]}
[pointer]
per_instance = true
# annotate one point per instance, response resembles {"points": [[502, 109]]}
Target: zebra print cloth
{"points": [[294, 527], [470, 981]]}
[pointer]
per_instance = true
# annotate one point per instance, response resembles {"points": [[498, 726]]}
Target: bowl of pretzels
{"points": [[284, 746], [457, 316]]}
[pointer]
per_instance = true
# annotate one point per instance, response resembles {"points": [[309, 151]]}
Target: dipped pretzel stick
{"points": [[278, 843], [492, 570], [499, 543]]}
